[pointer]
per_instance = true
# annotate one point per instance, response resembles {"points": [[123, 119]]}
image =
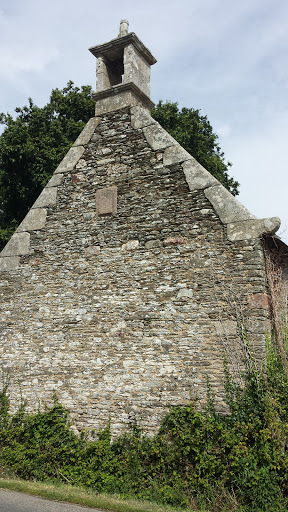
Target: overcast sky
{"points": [[227, 58]]}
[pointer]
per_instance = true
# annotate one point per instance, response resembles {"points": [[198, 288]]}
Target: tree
{"points": [[194, 132], [33, 144]]}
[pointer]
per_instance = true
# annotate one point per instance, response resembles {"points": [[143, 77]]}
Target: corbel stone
{"points": [[18, 245], [87, 132], [140, 117], [9, 263], [251, 229], [70, 160], [34, 220], [197, 176], [47, 197], [226, 206], [157, 137]]}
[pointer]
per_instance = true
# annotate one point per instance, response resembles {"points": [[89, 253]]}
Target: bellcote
{"points": [[123, 72]]}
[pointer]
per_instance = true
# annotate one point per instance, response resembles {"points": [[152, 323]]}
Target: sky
{"points": [[228, 59]]}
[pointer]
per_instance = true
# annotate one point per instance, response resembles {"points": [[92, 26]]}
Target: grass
{"points": [[79, 496]]}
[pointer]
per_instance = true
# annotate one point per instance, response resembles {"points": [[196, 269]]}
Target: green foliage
{"points": [[33, 144], [197, 459], [4, 401], [194, 132], [31, 147]]}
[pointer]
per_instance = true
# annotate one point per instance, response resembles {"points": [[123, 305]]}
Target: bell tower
{"points": [[123, 72]]}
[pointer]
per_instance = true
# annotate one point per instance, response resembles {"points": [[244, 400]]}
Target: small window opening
{"points": [[115, 70]]}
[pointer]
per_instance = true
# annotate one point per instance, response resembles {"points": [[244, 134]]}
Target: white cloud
{"points": [[24, 48], [223, 130], [14, 61]]}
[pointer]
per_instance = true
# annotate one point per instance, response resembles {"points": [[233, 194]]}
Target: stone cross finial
{"points": [[124, 26]]}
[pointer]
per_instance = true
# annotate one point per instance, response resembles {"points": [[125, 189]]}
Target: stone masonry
{"points": [[123, 287]]}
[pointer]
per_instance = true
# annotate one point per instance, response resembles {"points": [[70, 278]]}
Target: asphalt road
{"points": [[11, 501]]}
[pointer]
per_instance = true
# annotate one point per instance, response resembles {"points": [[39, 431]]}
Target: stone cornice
{"points": [[121, 88], [113, 48]]}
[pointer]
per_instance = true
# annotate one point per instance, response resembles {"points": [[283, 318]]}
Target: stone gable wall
{"points": [[130, 292]]}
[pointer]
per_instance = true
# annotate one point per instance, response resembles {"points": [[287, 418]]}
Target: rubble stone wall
{"points": [[129, 293]]}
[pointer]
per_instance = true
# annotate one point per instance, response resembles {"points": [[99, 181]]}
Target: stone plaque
{"points": [[106, 201]]}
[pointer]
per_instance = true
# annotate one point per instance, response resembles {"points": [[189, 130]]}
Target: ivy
{"points": [[197, 458]]}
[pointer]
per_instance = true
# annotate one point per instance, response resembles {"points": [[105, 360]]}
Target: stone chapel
{"points": [[135, 272]]}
